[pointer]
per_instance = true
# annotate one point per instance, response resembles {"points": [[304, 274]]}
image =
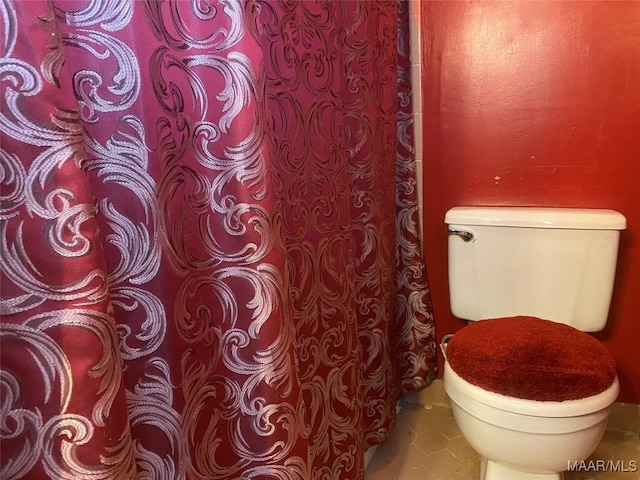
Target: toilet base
{"points": [[496, 471]]}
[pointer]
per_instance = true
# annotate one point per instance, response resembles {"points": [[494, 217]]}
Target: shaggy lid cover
{"points": [[531, 358]]}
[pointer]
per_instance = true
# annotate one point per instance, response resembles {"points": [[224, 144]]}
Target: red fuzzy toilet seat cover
{"points": [[531, 358]]}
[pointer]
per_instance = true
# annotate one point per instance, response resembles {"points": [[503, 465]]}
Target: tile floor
{"points": [[428, 445]]}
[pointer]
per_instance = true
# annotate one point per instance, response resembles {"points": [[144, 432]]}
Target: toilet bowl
{"points": [[532, 396], [527, 439]]}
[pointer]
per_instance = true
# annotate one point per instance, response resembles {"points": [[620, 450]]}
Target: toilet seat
{"points": [[531, 358], [479, 402]]}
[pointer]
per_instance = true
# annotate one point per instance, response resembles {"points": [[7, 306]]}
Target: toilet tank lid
{"points": [[538, 217]]}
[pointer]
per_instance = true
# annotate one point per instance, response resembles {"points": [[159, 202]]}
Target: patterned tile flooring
{"points": [[428, 445]]}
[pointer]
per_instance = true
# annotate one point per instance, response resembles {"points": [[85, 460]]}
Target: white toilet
{"points": [[529, 390]]}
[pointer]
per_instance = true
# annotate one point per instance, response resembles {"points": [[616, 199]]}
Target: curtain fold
{"points": [[211, 264]]}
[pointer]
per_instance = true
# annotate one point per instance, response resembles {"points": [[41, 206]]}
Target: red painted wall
{"points": [[536, 104]]}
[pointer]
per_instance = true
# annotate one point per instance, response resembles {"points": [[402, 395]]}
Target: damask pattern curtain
{"points": [[210, 256]]}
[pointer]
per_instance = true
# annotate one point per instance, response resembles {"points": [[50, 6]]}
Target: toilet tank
{"points": [[552, 263]]}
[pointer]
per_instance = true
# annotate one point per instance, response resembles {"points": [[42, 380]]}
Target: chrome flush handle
{"points": [[463, 234]]}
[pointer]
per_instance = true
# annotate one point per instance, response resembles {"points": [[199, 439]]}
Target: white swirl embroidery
{"points": [[125, 82]]}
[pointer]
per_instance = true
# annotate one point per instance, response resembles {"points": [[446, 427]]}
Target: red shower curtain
{"points": [[210, 254]]}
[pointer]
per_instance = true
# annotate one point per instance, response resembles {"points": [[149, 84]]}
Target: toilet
{"points": [[530, 390]]}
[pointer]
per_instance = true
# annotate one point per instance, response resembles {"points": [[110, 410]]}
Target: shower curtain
{"points": [[210, 255]]}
